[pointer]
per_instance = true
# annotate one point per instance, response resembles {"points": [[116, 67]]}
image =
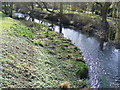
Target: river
{"points": [[104, 65]]}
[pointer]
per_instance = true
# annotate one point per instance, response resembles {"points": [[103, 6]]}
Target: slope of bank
{"points": [[28, 59]]}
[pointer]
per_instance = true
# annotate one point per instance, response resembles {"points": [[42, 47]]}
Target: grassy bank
{"points": [[32, 56]]}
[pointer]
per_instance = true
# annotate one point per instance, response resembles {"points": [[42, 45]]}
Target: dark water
{"points": [[104, 65]]}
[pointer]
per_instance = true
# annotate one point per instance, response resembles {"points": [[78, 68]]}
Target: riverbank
{"points": [[34, 57], [87, 23]]}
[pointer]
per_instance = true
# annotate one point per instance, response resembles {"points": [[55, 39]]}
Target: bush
{"points": [[80, 20]]}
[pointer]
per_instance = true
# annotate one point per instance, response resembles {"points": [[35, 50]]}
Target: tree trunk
{"points": [[104, 11], [5, 7], [61, 8], [11, 9], [117, 36], [47, 8], [101, 44], [105, 25], [61, 13], [32, 11]]}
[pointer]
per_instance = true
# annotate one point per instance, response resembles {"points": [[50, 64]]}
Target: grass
{"points": [[15, 27], [26, 64], [37, 42], [59, 47]]}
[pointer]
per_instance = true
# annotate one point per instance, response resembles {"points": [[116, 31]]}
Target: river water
{"points": [[104, 65]]}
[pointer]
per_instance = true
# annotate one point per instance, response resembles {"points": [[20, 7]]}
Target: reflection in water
{"points": [[101, 44], [103, 64], [60, 30]]}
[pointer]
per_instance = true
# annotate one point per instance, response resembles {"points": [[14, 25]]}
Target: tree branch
{"points": [[47, 8]]}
